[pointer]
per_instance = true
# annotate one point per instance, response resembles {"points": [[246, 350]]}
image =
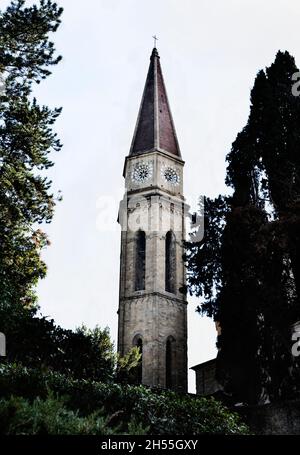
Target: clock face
{"points": [[170, 175], [141, 172]]}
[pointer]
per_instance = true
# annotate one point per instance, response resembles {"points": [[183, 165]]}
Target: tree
{"points": [[129, 367], [26, 140], [247, 267], [26, 201], [37, 342]]}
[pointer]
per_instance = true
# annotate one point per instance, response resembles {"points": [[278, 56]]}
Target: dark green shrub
{"points": [[19, 416], [162, 412], [38, 342]]}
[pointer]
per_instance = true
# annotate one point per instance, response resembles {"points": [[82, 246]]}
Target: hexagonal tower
{"points": [[152, 309]]}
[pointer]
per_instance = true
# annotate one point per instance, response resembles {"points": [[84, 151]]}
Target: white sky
{"points": [[210, 53]]}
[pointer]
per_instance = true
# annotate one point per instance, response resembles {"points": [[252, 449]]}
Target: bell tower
{"points": [[152, 308]]}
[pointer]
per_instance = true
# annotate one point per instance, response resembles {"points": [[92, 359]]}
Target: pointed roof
{"points": [[155, 129]]}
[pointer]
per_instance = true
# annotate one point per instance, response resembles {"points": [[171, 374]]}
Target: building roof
{"points": [[203, 365], [155, 128]]}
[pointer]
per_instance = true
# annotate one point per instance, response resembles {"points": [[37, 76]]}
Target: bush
{"points": [[19, 416], [37, 342], [161, 412]]}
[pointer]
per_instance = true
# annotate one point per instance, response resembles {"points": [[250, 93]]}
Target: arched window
{"points": [[170, 353], [138, 342], [140, 261], [170, 266]]}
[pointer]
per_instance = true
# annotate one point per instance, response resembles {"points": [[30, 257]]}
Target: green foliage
{"points": [[204, 258], [26, 140], [53, 391], [247, 269], [129, 408], [19, 416], [37, 342], [127, 366]]}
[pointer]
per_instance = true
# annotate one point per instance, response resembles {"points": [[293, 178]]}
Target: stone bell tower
{"points": [[152, 308]]}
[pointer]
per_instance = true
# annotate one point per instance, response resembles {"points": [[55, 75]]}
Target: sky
{"points": [[210, 53]]}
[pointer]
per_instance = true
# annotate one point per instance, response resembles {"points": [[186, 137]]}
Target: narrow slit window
{"points": [[140, 261], [170, 266], [138, 342], [170, 352]]}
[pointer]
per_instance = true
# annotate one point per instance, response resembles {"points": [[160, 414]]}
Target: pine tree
{"points": [[26, 140]]}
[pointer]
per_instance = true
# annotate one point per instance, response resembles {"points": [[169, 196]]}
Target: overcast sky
{"points": [[210, 53]]}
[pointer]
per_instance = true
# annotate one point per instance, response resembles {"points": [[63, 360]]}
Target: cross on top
{"points": [[155, 39]]}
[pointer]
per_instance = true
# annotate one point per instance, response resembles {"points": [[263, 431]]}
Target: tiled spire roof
{"points": [[155, 128]]}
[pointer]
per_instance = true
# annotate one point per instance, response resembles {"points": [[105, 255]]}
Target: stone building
{"points": [[152, 308], [206, 383]]}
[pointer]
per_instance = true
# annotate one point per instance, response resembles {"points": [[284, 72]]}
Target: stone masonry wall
{"points": [[276, 418]]}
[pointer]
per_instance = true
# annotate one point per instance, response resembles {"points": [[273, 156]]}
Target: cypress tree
{"points": [[256, 247]]}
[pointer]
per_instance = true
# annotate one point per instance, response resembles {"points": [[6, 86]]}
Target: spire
{"points": [[155, 128]]}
